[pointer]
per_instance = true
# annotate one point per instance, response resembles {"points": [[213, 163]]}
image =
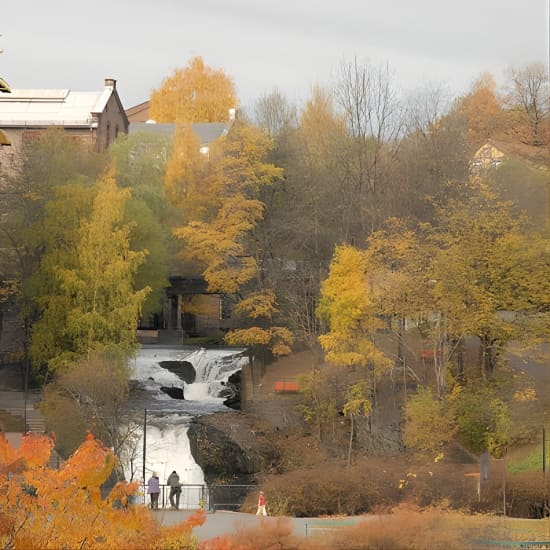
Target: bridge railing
{"points": [[210, 497]]}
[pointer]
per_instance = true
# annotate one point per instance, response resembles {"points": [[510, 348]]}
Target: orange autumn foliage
{"points": [[41, 507]]}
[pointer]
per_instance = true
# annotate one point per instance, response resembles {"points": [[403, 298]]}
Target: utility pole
{"points": [[144, 440], [545, 502]]}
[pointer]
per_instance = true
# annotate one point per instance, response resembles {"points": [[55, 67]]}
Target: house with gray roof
{"points": [[207, 132]]}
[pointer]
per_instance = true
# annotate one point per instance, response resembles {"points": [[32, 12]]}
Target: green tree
{"points": [[52, 160], [357, 403], [482, 419], [430, 422], [87, 301], [140, 164], [524, 185], [318, 405]]}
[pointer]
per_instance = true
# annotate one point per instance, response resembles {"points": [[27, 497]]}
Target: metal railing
{"points": [[209, 497], [228, 497], [192, 497]]}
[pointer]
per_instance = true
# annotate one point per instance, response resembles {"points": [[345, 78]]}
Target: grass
{"points": [[531, 463]]}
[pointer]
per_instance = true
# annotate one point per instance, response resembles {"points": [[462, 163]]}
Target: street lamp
{"points": [[144, 440]]}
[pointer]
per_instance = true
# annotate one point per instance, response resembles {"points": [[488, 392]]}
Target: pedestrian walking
{"points": [[153, 490], [261, 505], [175, 489]]}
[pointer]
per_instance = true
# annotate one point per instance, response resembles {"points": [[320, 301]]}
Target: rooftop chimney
{"points": [[110, 83]]}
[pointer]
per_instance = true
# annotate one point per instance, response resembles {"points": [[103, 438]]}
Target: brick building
{"points": [[95, 118]]}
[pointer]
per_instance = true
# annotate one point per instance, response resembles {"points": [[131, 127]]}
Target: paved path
{"points": [[14, 402], [226, 523]]}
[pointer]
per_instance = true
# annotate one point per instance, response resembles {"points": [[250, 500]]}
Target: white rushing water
{"points": [[167, 419]]}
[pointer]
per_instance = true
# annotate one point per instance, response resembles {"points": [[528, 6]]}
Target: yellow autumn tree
{"points": [[184, 169], [196, 93], [47, 508], [347, 309], [221, 209], [490, 260]]}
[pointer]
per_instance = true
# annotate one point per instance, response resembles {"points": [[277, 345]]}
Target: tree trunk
{"points": [[460, 361], [488, 355], [351, 433]]}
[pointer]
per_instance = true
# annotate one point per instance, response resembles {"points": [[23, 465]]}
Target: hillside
{"points": [[271, 444]]}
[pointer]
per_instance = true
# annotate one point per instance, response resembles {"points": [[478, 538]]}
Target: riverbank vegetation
{"points": [[404, 527], [44, 507]]}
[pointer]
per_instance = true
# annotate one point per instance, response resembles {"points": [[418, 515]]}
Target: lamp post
{"points": [[144, 440], [545, 501]]}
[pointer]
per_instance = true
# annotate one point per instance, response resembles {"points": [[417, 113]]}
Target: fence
{"points": [[213, 497], [11, 358], [228, 497], [191, 497]]}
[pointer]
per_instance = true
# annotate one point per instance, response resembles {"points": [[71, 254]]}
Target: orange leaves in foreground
{"points": [[42, 507]]}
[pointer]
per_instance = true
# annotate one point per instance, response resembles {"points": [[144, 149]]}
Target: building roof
{"points": [[207, 131], [533, 155], [53, 107], [4, 86], [138, 113], [4, 140]]}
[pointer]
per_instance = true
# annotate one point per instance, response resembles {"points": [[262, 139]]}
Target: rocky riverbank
{"points": [[230, 448]]}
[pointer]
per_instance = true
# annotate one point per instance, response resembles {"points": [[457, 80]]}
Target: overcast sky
{"points": [[262, 44]]}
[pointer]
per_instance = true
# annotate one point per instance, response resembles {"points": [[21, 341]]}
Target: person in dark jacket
{"points": [[173, 482]]}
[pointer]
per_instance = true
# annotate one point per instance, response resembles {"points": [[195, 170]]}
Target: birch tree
{"points": [[85, 282], [196, 93]]}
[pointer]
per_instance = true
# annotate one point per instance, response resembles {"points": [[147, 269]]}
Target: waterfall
{"points": [[167, 419]]}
